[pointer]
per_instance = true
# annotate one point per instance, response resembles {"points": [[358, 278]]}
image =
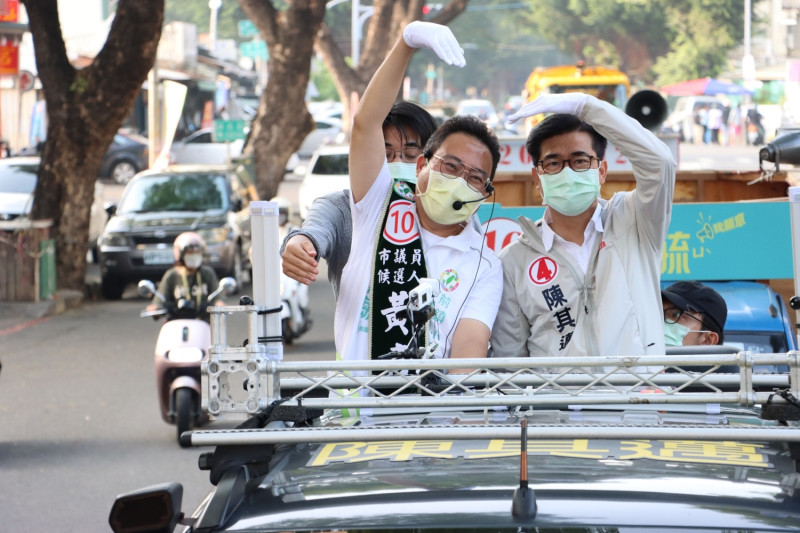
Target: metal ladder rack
{"points": [[239, 381]]}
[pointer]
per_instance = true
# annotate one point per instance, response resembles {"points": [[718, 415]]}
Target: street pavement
{"points": [[17, 315]]}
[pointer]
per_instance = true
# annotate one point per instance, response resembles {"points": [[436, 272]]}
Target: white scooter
{"points": [[295, 318], [295, 313], [181, 347]]}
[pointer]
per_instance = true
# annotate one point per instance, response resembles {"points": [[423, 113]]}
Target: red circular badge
{"points": [[401, 227], [543, 270], [500, 232]]}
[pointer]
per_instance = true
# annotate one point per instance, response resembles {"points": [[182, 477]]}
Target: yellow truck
{"points": [[608, 84]]}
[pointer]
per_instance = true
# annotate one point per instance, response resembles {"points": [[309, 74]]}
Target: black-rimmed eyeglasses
{"points": [[409, 154], [672, 315], [578, 163]]}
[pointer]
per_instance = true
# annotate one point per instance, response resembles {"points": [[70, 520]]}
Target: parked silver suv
{"points": [[157, 206]]}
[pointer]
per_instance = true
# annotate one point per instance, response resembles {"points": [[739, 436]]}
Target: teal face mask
{"points": [[674, 334], [403, 172], [569, 192]]}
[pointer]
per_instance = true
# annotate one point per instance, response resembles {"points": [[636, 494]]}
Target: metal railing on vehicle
{"points": [[241, 381]]}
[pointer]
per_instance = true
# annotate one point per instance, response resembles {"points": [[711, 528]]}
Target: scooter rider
{"points": [[186, 286]]}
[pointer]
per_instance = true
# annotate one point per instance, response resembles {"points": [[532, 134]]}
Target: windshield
{"points": [[129, 139], [766, 342], [183, 192], [610, 93], [331, 164], [476, 109], [18, 178]]}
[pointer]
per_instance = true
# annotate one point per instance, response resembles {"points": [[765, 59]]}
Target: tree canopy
{"points": [[198, 13], [656, 41]]}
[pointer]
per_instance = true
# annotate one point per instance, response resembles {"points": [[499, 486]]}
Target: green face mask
{"points": [[674, 334], [403, 172], [569, 192]]}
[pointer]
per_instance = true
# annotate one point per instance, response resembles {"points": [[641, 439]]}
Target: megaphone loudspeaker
{"points": [[647, 107], [783, 149]]}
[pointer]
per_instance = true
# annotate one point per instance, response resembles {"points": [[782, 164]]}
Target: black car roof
{"points": [[466, 484]]}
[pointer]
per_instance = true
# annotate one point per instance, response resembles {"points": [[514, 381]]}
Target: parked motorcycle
{"points": [[295, 318], [182, 345]]}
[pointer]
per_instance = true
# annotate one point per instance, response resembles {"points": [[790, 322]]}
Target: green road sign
{"points": [[228, 130], [247, 28], [255, 49]]}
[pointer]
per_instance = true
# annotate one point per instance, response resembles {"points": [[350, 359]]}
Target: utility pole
{"points": [[212, 26], [748, 62], [358, 16]]}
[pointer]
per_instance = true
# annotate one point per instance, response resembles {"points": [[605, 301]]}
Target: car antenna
{"points": [[523, 504]]}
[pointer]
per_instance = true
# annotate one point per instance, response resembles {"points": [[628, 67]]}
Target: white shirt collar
{"points": [[467, 238], [548, 235]]}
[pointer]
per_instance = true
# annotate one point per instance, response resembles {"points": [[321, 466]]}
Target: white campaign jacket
{"points": [[549, 308]]}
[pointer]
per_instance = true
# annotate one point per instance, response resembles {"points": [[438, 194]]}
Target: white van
{"points": [[481, 108], [328, 171], [681, 119]]}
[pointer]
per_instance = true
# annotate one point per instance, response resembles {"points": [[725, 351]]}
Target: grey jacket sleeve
{"points": [[329, 226], [654, 167], [511, 328]]}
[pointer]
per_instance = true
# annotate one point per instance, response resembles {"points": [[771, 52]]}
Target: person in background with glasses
{"points": [[401, 236], [694, 314], [327, 230], [584, 279]]}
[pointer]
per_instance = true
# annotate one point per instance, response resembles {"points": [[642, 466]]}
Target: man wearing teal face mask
{"points": [[694, 314], [327, 230], [401, 236], [584, 279]]}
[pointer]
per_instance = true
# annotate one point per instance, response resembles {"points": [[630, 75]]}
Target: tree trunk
{"points": [[283, 120], [85, 108], [388, 19]]}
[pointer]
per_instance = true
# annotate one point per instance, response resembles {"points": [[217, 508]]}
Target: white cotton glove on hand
{"points": [[570, 103], [437, 38]]}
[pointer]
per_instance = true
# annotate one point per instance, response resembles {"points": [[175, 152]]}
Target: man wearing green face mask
{"points": [[584, 279], [327, 230], [694, 314]]}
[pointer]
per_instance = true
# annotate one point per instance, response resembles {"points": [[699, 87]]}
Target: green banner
{"points": [[707, 241], [228, 130]]}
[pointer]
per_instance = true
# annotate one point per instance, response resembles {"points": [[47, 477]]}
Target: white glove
{"points": [[570, 103], [437, 38]]}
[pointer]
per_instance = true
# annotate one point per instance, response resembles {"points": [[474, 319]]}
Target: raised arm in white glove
{"points": [[570, 103], [437, 38]]}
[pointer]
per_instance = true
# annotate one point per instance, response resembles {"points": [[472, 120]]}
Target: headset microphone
{"points": [[458, 204]]}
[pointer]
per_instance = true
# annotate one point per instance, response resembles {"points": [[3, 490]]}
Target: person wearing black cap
{"points": [[694, 314]]}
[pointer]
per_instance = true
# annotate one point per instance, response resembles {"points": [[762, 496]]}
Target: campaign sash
{"points": [[398, 263]]}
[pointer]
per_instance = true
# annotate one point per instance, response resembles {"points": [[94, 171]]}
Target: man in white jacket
{"points": [[584, 279]]}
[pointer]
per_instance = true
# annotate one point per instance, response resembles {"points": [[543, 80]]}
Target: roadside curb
{"points": [[60, 302]]}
